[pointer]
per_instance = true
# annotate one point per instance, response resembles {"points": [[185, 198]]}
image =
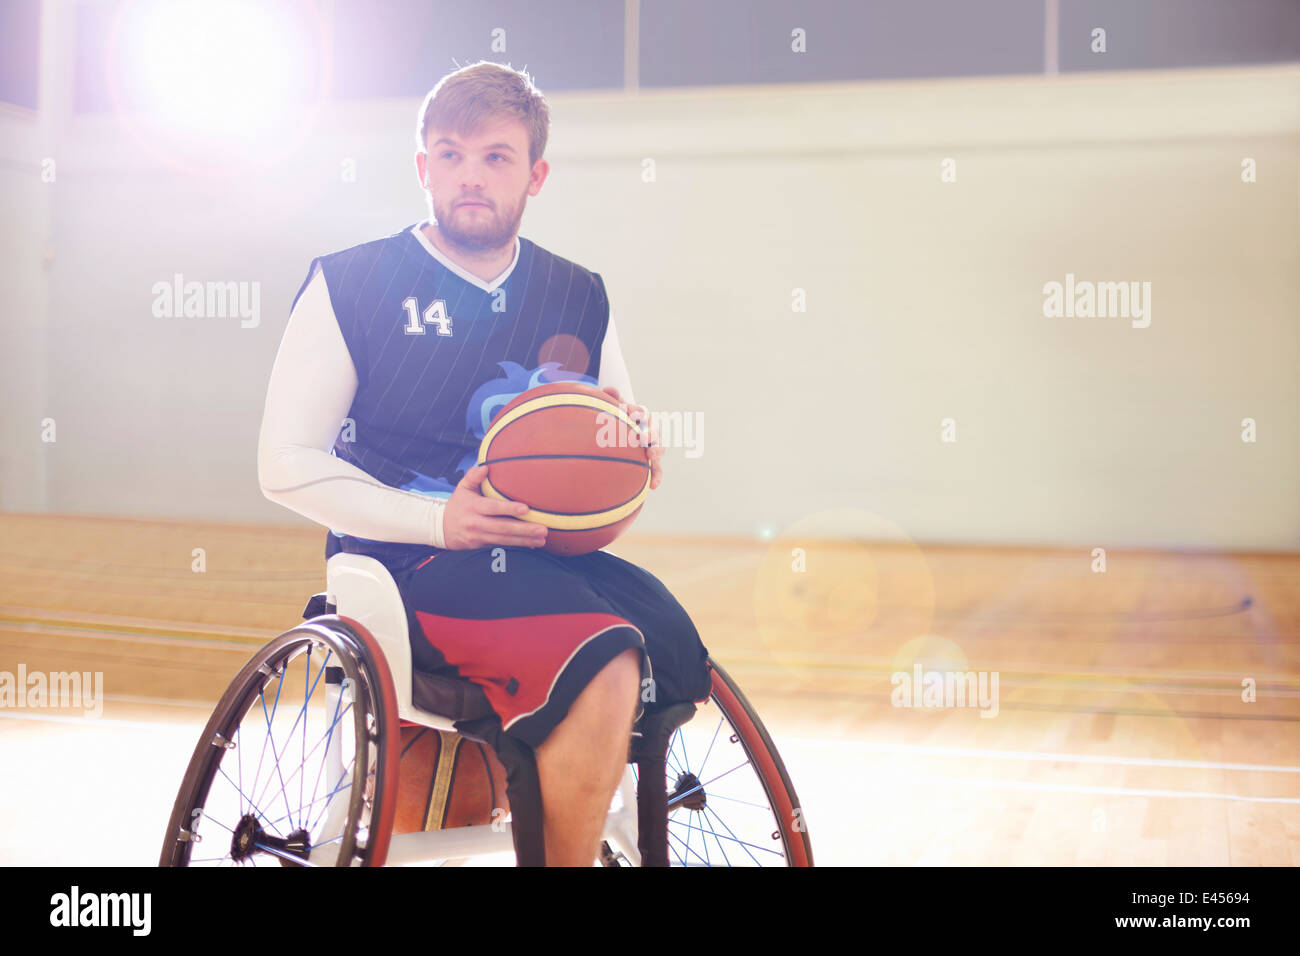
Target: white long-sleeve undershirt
{"points": [[313, 384]]}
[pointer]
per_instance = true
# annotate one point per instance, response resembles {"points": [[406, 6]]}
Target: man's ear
{"points": [[422, 169]]}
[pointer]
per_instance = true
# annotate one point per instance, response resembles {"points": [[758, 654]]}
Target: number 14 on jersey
{"points": [[435, 315]]}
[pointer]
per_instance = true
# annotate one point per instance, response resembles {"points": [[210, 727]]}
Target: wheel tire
{"points": [[373, 725]]}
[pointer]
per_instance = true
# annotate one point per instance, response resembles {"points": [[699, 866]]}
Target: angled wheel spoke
{"points": [[324, 798], [706, 783], [748, 803], [705, 761], [251, 804], [207, 818], [732, 838], [329, 735], [689, 851], [286, 856], [270, 732], [301, 768], [348, 773]]}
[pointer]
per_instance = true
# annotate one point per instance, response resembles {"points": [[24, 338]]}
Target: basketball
{"points": [[445, 781], [567, 451]]}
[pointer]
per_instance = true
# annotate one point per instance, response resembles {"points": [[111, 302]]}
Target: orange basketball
{"points": [[568, 452], [445, 781]]}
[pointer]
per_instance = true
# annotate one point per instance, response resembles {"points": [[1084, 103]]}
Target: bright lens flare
{"points": [[218, 68]]}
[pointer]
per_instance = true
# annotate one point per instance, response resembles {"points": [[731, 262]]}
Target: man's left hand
{"points": [[649, 435]]}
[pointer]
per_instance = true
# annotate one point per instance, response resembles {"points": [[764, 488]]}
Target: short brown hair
{"points": [[464, 101]]}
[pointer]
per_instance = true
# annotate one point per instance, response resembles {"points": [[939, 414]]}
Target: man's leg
{"points": [[581, 761]]}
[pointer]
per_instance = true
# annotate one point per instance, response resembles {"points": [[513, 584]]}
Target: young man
{"points": [[412, 343]]}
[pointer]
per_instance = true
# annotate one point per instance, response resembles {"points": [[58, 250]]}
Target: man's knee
{"points": [[596, 711], [618, 682], [622, 675]]}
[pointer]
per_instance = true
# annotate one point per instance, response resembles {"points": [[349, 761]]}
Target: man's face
{"points": [[479, 185]]}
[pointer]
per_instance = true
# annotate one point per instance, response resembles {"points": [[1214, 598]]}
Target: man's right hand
{"points": [[471, 520]]}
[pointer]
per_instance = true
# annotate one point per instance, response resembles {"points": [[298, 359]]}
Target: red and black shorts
{"points": [[532, 629]]}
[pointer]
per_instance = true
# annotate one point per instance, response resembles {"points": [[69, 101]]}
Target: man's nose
{"points": [[472, 177]]}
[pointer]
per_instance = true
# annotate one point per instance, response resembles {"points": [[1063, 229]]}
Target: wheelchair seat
{"points": [[361, 588]]}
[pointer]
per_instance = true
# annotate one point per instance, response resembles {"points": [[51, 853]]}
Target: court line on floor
{"points": [[850, 665], [178, 638], [1064, 681], [1104, 791], [931, 750], [207, 705], [69, 719], [1003, 708]]}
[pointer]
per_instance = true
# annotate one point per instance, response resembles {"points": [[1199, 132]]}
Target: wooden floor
{"points": [[1121, 736]]}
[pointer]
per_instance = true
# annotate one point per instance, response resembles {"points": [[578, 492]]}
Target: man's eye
{"points": [[447, 153], [496, 154]]}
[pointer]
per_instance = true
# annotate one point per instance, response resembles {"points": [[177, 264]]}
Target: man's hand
{"points": [[650, 437], [474, 521]]}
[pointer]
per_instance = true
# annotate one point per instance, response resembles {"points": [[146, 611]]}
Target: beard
{"points": [[481, 228]]}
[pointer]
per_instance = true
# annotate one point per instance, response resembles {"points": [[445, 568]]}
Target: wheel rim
{"points": [[730, 800], [264, 786]]}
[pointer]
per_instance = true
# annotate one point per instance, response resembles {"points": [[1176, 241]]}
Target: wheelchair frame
{"points": [[371, 635]]}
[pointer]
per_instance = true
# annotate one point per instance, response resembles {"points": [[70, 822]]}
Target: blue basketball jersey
{"points": [[437, 357]]}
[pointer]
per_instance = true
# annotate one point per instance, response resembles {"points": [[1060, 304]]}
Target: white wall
{"points": [[23, 310], [924, 302], [28, 183]]}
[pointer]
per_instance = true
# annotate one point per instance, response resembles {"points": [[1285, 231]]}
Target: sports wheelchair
{"points": [[297, 766]]}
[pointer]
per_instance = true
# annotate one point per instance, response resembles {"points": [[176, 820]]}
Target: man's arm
{"points": [[613, 371], [312, 387]]}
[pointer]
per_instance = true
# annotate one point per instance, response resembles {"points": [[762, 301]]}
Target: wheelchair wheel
{"points": [[730, 800], [298, 764]]}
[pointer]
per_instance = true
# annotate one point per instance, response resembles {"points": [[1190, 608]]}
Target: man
{"points": [[414, 342]]}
